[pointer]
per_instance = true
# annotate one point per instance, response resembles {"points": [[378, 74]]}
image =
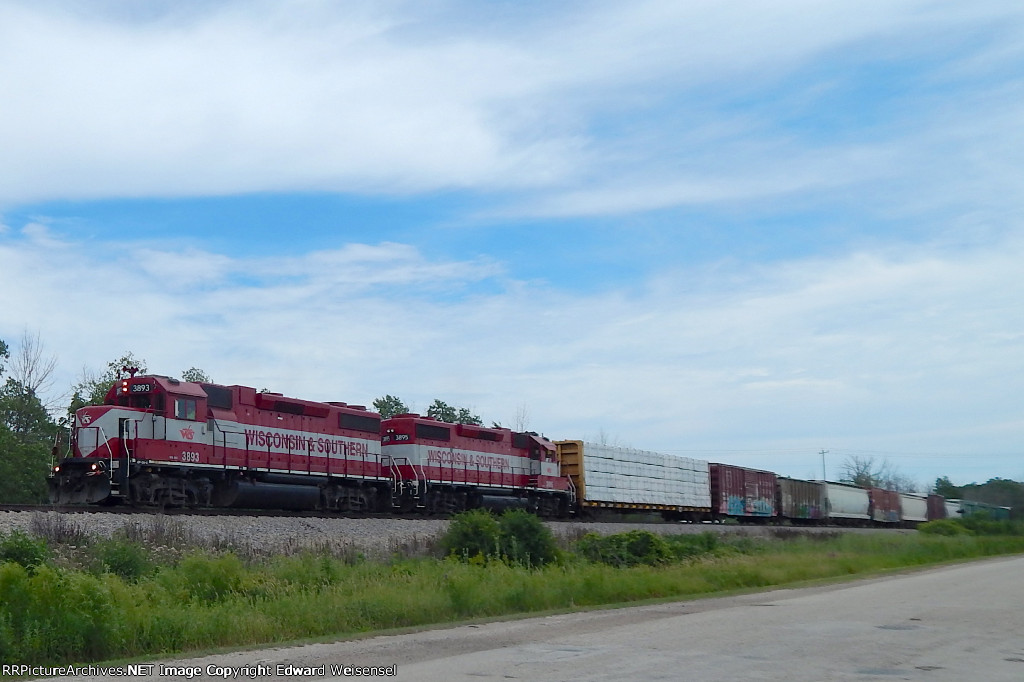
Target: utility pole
{"points": [[823, 453]]}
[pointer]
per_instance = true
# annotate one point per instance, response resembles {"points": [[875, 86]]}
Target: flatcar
{"points": [[610, 478]]}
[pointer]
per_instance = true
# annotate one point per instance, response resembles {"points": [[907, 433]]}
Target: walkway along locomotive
{"points": [[160, 442]]}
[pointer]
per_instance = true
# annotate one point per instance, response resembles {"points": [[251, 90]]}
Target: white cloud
{"points": [[219, 98]]}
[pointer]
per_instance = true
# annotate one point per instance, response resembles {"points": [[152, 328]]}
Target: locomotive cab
{"points": [[132, 425], [160, 396]]}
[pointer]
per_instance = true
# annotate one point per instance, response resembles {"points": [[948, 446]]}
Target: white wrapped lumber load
{"points": [[625, 478]]}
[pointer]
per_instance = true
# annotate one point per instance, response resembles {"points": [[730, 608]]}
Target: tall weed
{"points": [[23, 549]]}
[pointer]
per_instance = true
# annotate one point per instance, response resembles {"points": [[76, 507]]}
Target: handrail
{"points": [[392, 465], [421, 475], [106, 443], [127, 453], [224, 441]]}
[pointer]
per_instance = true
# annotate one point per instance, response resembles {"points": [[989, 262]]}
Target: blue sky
{"points": [[744, 232]]}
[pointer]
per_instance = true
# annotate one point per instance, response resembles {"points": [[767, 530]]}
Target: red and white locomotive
{"points": [[157, 441]]}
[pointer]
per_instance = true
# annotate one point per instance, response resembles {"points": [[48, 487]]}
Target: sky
{"points": [[745, 232]]}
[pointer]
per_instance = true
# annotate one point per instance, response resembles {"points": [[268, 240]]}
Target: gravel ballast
{"points": [[265, 535]]}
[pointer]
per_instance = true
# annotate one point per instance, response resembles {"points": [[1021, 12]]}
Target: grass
{"points": [[120, 598]]}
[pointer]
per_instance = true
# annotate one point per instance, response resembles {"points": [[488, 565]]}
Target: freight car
{"points": [[802, 502], [743, 494], [966, 508], [161, 442], [624, 479], [847, 504], [913, 509], [884, 506]]}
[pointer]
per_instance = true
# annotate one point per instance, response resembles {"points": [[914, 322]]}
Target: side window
{"points": [[185, 408]]}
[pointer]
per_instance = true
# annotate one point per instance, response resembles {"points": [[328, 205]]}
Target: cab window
{"points": [[185, 408]]}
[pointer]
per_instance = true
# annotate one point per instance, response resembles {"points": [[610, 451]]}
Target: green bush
{"points": [[517, 537], [949, 527], [689, 546], [129, 560], [472, 535], [524, 540], [23, 549], [53, 615], [975, 524], [206, 579], [981, 523], [625, 549]]}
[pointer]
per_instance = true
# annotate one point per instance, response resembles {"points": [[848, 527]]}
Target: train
{"points": [[158, 442]]}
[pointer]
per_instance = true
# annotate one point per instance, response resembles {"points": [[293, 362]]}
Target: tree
{"points": [[389, 405], [860, 471], [444, 412], [92, 388], [196, 375], [604, 438], [30, 368], [945, 487], [867, 473], [22, 411], [26, 432], [24, 414], [23, 469], [1001, 492], [522, 418]]}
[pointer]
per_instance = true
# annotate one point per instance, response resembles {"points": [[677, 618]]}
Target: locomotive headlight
{"points": [[56, 469], [94, 466], [124, 387]]}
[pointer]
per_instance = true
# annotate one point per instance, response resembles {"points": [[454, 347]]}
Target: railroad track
{"points": [[182, 511]]}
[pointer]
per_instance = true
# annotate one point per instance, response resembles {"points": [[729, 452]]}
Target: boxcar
{"points": [[936, 507], [801, 501], [742, 493], [885, 505]]}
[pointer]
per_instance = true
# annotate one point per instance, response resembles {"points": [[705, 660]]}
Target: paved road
{"points": [[963, 622]]}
